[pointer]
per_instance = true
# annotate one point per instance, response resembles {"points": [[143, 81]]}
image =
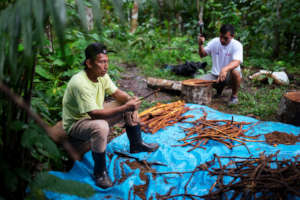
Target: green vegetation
{"points": [[261, 102], [42, 45]]}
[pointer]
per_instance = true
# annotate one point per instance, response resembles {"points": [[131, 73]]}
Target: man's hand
{"points": [[222, 75], [228, 68], [133, 104], [201, 40]]}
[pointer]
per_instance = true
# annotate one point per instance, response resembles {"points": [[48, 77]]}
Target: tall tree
{"points": [[134, 17]]}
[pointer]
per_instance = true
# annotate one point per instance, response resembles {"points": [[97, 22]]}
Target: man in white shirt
{"points": [[227, 55]]}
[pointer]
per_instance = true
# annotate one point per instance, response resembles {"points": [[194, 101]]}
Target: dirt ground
{"points": [[132, 81]]}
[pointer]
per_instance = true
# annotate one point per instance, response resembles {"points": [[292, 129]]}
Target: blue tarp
{"points": [[176, 158]]}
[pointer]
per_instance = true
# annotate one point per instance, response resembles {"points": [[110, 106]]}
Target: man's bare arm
{"points": [[231, 66], [107, 112], [121, 96], [129, 104], [201, 51]]}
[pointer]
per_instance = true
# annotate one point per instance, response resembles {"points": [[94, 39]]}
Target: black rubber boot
{"points": [[219, 87], [136, 142], [100, 173]]}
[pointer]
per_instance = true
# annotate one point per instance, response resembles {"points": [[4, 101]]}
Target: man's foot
{"points": [[136, 142], [100, 172], [143, 147], [233, 101], [103, 180]]}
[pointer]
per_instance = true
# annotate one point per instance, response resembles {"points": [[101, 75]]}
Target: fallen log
{"points": [[164, 84]]}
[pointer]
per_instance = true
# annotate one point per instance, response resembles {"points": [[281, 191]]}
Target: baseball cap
{"points": [[93, 50]]}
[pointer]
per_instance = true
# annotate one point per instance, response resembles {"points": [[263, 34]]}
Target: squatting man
{"points": [[87, 119], [227, 55]]}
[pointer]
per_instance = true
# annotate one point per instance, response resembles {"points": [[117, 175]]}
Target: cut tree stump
{"points": [[289, 108], [197, 91]]}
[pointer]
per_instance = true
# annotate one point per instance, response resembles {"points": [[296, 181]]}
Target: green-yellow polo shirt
{"points": [[82, 96]]}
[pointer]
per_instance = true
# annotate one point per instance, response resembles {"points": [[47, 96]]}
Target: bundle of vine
{"points": [[163, 115], [265, 177], [223, 131]]}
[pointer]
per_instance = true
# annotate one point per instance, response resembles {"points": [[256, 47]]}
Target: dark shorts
{"points": [[211, 77]]}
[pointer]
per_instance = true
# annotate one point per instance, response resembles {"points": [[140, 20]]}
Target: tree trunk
{"points": [[179, 22], [134, 17], [289, 108], [200, 7], [161, 5], [277, 32], [49, 34], [89, 18]]}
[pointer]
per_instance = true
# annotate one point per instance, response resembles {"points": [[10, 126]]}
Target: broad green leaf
{"points": [[49, 146], [46, 181], [35, 138], [70, 72], [29, 138], [44, 73], [59, 62], [95, 37], [270, 80], [20, 47]]}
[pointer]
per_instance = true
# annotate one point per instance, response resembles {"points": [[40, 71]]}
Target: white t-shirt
{"points": [[223, 55]]}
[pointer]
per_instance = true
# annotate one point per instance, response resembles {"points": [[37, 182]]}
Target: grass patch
{"points": [[260, 101]]}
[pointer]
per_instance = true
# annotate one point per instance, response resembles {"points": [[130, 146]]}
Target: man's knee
{"points": [[208, 77], [100, 128], [236, 75], [59, 135]]}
